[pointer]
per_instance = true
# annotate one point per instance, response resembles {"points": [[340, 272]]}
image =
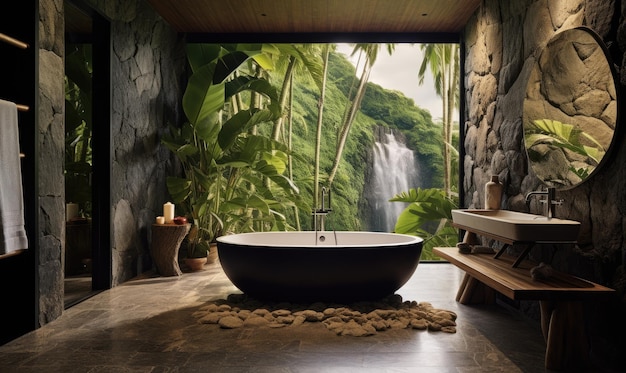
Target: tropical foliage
{"points": [[428, 215], [226, 164], [264, 118], [563, 136], [379, 107], [443, 62], [78, 126]]}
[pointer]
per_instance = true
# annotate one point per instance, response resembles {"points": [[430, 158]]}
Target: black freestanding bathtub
{"points": [[319, 266]]}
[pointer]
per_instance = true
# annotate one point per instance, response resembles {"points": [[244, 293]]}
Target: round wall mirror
{"points": [[570, 109]]}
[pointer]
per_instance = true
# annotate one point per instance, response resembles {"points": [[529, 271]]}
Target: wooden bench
{"points": [[561, 298]]}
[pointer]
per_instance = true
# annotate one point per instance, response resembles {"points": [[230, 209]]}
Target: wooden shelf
{"points": [[517, 284]]}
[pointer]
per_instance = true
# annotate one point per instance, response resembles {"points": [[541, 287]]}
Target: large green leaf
{"points": [[264, 60], [277, 159], [245, 83], [201, 54], [261, 53], [408, 223], [202, 178], [202, 98], [314, 66], [240, 123], [237, 84], [237, 203], [445, 237], [269, 170], [425, 205], [229, 63], [207, 128], [563, 131], [430, 203], [178, 188], [562, 135], [258, 203]]}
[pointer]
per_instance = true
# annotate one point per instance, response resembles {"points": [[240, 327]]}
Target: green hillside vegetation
{"points": [[380, 107]]}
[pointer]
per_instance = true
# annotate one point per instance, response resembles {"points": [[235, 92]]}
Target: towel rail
{"points": [[22, 107], [9, 40], [13, 253]]}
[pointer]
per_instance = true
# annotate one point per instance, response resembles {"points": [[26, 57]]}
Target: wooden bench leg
{"points": [[473, 291], [562, 324], [523, 255]]}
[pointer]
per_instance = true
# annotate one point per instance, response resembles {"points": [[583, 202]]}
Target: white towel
{"points": [[12, 232]]}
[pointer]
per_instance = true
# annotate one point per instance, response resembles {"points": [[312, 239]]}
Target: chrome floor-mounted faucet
{"points": [[551, 202], [323, 210]]}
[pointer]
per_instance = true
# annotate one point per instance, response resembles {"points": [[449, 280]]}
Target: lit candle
{"points": [[71, 211], [168, 212], [160, 220]]}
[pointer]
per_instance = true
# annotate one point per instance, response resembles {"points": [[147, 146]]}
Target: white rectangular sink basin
{"points": [[516, 226]]}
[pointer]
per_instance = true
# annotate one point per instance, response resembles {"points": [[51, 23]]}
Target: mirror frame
{"points": [[610, 150]]}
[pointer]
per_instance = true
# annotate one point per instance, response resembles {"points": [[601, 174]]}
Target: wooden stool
{"points": [[166, 240]]}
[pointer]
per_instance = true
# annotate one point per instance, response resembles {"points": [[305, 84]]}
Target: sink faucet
{"points": [[323, 211], [551, 201]]}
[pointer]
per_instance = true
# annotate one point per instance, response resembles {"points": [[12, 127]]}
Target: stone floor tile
{"points": [[147, 325]]}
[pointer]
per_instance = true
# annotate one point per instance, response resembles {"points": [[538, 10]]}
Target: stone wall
{"points": [[147, 64], [50, 112], [503, 41]]}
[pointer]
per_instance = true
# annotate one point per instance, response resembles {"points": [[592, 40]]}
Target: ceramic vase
{"points": [[493, 194]]}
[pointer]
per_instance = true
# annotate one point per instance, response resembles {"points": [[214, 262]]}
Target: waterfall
{"points": [[393, 170]]}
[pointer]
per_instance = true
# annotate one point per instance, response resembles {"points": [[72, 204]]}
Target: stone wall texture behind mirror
{"points": [[503, 41]]}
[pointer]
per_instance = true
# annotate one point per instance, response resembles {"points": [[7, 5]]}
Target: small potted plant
{"points": [[197, 250]]}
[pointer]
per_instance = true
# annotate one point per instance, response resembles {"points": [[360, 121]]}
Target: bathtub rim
{"points": [[239, 239]]}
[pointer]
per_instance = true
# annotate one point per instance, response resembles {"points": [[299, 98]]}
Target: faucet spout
{"points": [[323, 210], [551, 202]]}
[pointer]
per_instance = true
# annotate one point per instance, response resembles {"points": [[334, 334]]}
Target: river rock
{"points": [[358, 319], [230, 322]]}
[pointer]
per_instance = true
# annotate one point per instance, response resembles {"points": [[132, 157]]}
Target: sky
{"points": [[399, 72]]}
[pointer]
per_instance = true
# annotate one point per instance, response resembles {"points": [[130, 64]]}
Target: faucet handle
{"points": [[553, 202]]}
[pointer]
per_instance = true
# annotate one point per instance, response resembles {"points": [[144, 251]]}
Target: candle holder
{"points": [[166, 240]]}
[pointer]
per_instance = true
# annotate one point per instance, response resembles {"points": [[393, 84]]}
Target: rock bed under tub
{"points": [[354, 319]]}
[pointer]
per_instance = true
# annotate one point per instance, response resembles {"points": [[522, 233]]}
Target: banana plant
{"points": [[224, 164]]}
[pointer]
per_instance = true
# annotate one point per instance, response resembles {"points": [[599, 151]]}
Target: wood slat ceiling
{"points": [[316, 16]]}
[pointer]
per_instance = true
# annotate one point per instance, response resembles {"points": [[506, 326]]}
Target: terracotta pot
{"points": [[212, 256], [196, 264]]}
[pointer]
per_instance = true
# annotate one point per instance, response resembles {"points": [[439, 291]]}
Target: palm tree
{"points": [[369, 52], [298, 60], [318, 134], [443, 62]]}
